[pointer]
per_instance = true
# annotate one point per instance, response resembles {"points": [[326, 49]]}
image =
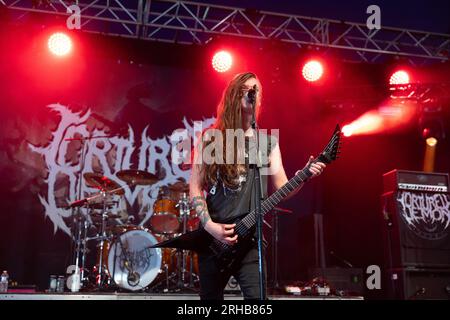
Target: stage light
{"points": [[430, 154], [399, 77], [312, 71], [59, 44], [431, 141], [431, 133], [347, 130], [222, 61]]}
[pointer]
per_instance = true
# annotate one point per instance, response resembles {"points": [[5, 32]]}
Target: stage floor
{"points": [[146, 296]]}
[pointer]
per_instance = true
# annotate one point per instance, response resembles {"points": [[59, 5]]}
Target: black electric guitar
{"points": [[200, 240]]}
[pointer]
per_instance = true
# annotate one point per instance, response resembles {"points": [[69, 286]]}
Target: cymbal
{"points": [[110, 215], [179, 187], [138, 177], [95, 201], [96, 180]]}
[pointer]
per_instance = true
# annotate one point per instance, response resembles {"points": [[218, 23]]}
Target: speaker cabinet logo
{"points": [[426, 214]]}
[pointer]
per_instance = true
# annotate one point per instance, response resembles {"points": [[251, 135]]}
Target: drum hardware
{"points": [[184, 207], [101, 270], [80, 232], [91, 204], [176, 280], [80, 220], [125, 259], [109, 214]]}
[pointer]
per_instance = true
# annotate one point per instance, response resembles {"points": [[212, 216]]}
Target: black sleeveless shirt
{"points": [[224, 203]]}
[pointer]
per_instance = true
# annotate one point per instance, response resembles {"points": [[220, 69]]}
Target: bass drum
{"points": [[132, 264]]}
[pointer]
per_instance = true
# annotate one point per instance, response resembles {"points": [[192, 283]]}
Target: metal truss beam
{"points": [[188, 22]]}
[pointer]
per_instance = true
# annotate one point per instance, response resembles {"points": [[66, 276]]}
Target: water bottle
{"points": [[4, 282], [52, 284], [60, 284]]}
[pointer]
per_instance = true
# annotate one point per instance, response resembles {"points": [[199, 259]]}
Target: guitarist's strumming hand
{"points": [[222, 232]]}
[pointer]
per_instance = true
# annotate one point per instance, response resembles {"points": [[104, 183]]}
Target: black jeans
{"points": [[213, 282]]}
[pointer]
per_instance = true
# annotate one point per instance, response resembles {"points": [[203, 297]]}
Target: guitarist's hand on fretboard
{"points": [[315, 168], [222, 232]]}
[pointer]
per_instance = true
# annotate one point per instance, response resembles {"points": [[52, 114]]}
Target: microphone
{"points": [[251, 94]]}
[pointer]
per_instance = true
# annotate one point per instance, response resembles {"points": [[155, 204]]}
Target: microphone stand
{"points": [[257, 194]]}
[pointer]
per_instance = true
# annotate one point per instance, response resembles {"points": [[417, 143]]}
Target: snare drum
{"points": [[132, 264], [165, 217]]}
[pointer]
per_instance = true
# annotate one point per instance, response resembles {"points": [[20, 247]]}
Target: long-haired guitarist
{"points": [[224, 172]]}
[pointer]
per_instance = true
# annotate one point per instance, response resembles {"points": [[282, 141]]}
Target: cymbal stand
{"points": [[185, 209], [77, 217], [78, 241], [101, 272], [181, 259], [84, 251]]}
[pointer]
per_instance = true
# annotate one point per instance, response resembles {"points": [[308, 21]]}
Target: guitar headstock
{"points": [[332, 150]]}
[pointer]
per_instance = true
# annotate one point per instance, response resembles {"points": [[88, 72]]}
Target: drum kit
{"points": [[124, 258]]}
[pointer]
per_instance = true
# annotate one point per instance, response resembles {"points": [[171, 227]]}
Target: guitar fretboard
{"points": [[275, 198]]}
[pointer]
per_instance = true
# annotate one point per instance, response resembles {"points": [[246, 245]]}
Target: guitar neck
{"points": [[275, 198]]}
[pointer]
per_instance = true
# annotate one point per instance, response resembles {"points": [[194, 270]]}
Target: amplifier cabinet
{"points": [[418, 284], [416, 229]]}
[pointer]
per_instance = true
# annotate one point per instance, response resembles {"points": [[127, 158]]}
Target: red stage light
{"points": [[59, 44], [222, 61], [399, 77], [312, 70]]}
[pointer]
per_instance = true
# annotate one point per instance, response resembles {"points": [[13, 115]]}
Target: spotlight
{"points": [[59, 44], [399, 77], [312, 71], [222, 61], [431, 141], [347, 130], [430, 136]]}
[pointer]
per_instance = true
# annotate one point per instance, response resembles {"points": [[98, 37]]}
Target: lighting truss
{"points": [[188, 22]]}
